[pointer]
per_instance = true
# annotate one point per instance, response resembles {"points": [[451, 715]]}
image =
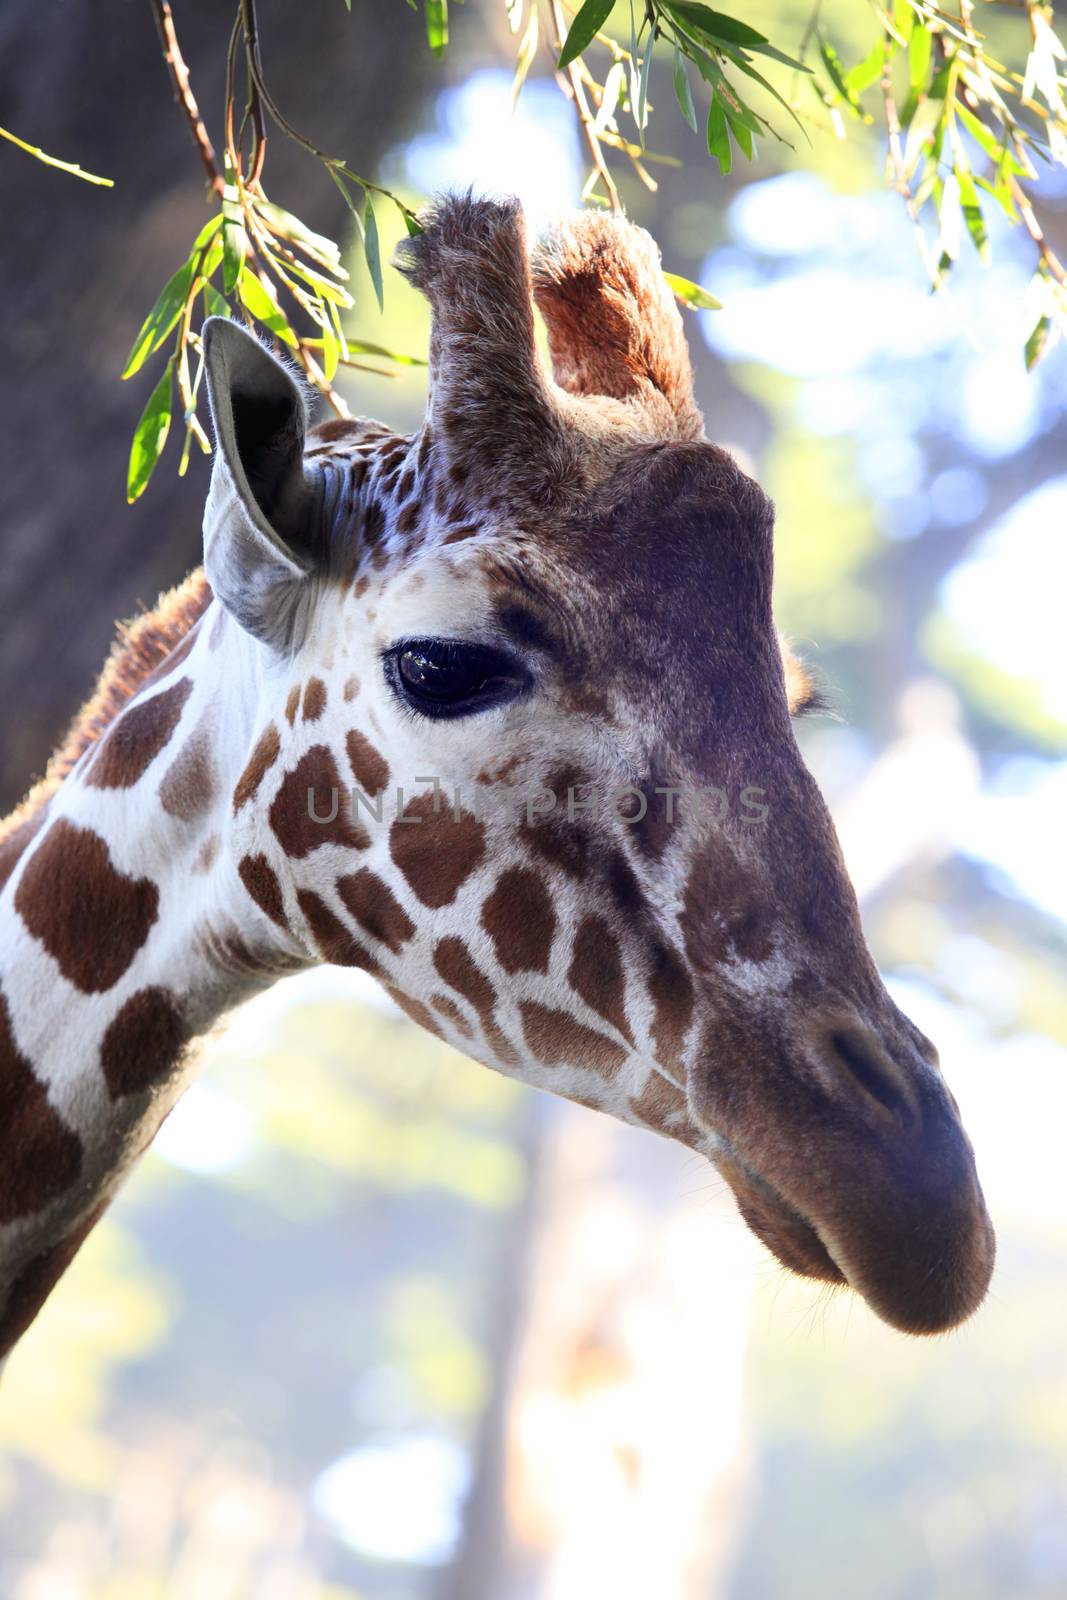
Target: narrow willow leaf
{"points": [[373, 251], [743, 134], [293, 228], [719, 136], [868, 71], [749, 70], [1002, 195], [215, 304], [162, 317], [150, 435], [832, 62], [257, 300], [586, 25], [437, 25], [1038, 342], [514, 14], [234, 239], [641, 115], [525, 58], [363, 347], [950, 216], [331, 354], [692, 293], [682, 91], [723, 30], [920, 49], [903, 19], [614, 84], [987, 139], [972, 215], [411, 222]]}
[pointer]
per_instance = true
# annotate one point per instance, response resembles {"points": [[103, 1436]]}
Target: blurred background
{"points": [[371, 1323]]}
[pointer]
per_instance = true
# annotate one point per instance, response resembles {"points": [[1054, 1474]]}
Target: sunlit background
{"points": [[372, 1322]]}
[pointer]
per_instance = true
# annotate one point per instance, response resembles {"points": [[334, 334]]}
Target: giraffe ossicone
{"points": [[498, 713]]}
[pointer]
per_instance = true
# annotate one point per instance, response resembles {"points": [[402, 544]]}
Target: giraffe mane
{"points": [[140, 648]]}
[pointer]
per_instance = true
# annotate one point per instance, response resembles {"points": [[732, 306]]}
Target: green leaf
{"points": [[234, 239], [437, 25], [589, 21], [682, 91], [256, 299], [1037, 343], [215, 304], [692, 293], [832, 62], [524, 58], [719, 135], [331, 354], [950, 217], [150, 435], [292, 228], [162, 317], [972, 215], [868, 71], [363, 347], [373, 250], [920, 49], [641, 116], [724, 30], [742, 132]]}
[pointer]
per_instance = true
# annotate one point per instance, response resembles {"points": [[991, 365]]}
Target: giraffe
{"points": [[496, 712]]}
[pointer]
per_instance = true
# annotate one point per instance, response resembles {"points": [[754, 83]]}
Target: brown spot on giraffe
{"points": [[455, 964], [208, 853], [376, 908], [312, 807], [723, 919], [661, 1104], [413, 1008], [143, 1042], [556, 1039], [351, 688], [361, 586], [435, 849], [369, 768], [70, 893], [596, 973], [261, 881], [42, 1156], [292, 704], [519, 918], [15, 840], [189, 785], [314, 699], [449, 1009], [36, 1280], [263, 757], [409, 518], [335, 942], [137, 738], [671, 991]]}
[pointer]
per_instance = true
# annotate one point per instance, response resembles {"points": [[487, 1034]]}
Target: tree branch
{"points": [[183, 93]]}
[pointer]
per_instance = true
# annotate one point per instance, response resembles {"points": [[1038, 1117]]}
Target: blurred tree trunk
{"points": [[80, 267]]}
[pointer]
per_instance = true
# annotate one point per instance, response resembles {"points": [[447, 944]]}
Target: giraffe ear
{"points": [[258, 525]]}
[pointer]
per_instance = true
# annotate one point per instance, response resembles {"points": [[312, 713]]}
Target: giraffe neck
{"points": [[124, 934]]}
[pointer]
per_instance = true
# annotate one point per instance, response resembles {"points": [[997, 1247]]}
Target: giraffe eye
{"points": [[447, 678]]}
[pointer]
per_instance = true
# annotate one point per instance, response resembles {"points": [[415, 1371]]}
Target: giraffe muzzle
{"points": [[848, 1159]]}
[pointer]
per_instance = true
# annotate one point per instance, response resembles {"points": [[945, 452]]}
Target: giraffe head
{"points": [[524, 752]]}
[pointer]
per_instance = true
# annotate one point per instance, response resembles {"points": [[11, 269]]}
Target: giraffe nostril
{"points": [[857, 1056]]}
